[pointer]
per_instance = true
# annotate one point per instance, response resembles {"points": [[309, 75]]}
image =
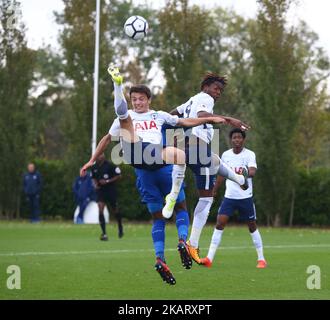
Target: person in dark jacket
{"points": [[32, 185], [84, 192]]}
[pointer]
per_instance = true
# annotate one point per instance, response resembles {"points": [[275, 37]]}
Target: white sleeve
{"points": [[205, 104], [168, 118], [252, 160], [222, 157], [115, 128], [181, 108]]}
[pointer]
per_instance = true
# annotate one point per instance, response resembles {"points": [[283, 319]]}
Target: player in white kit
{"points": [[200, 159], [235, 198]]}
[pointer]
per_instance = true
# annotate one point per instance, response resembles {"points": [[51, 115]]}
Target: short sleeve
{"points": [[252, 160], [222, 157], [180, 109], [168, 118], [115, 128], [205, 103]]}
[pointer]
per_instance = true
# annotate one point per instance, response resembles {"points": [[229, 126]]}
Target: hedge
{"points": [[312, 202]]}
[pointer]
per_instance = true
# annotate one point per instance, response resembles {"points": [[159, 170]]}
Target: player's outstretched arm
{"points": [[193, 122], [101, 147], [237, 123], [228, 120], [175, 112]]}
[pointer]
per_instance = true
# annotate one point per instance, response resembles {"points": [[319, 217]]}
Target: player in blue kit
{"points": [[159, 168]]}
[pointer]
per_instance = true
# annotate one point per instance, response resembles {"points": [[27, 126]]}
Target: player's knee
{"points": [[181, 206], [252, 226], [157, 216]]}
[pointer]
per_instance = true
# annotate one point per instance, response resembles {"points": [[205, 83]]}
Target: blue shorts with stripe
{"points": [[153, 186], [245, 207]]}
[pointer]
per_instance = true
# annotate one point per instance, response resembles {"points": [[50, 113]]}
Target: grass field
{"points": [[66, 261]]}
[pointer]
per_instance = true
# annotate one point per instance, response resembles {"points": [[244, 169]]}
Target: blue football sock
{"points": [[182, 224], [158, 237]]}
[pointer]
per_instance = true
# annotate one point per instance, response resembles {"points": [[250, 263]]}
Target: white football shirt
{"points": [[199, 102], [148, 125], [237, 161]]}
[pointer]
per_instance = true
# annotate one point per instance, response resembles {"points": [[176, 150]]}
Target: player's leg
{"points": [[121, 107], [225, 211], [248, 212], [158, 239], [225, 171], [177, 157], [164, 178], [115, 210], [182, 224], [148, 182], [205, 183], [101, 205]]}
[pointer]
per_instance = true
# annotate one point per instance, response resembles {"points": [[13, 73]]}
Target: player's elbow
{"points": [[107, 138]]}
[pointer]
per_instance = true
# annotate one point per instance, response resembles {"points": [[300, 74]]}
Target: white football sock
{"points": [[257, 241], [120, 103], [177, 179], [215, 242], [201, 214], [229, 173]]}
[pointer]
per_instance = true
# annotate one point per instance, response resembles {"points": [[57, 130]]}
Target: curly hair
{"points": [[237, 130], [211, 78]]}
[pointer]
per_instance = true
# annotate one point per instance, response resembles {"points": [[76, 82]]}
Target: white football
{"points": [[136, 27]]}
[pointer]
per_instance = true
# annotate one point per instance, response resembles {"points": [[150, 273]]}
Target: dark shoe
{"points": [[104, 237], [164, 272], [184, 255]]}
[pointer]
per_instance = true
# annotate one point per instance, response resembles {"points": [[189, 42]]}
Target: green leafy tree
{"points": [[48, 106], [312, 137], [280, 74], [182, 31], [16, 73], [78, 41]]}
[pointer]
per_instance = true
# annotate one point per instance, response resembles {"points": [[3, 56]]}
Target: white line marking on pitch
{"points": [[45, 253]]}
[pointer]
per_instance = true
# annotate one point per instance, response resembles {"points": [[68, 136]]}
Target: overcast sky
{"points": [[40, 22]]}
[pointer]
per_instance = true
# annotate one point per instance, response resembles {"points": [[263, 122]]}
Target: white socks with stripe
{"points": [[215, 242], [257, 241], [201, 214], [229, 173], [120, 103], [177, 179]]}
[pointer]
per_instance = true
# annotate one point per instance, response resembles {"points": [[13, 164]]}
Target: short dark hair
{"points": [[140, 88], [237, 130], [210, 78]]}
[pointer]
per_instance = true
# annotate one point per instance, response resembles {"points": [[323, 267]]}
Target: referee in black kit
{"points": [[105, 175]]}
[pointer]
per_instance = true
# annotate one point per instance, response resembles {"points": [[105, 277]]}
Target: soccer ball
{"points": [[136, 27]]}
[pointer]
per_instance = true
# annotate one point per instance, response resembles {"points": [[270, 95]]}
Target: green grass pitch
{"points": [[66, 261]]}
